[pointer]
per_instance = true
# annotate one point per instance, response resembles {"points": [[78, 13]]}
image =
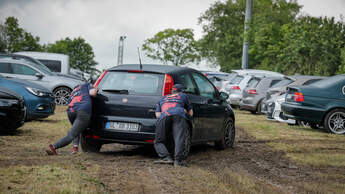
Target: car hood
{"points": [[14, 82], [64, 79]]}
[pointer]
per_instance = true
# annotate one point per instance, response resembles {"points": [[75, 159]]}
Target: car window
{"points": [[205, 87], [53, 65], [22, 69], [311, 81], [237, 79], [134, 83], [283, 82], [187, 82], [253, 82], [274, 82], [5, 68]]}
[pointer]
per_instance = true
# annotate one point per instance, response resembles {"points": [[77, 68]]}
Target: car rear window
{"points": [[134, 83], [237, 79], [283, 82], [253, 82]]}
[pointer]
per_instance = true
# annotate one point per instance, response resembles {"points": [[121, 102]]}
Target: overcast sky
{"points": [[102, 22]]}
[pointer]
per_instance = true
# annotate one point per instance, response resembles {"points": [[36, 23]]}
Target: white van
{"points": [[55, 62]]}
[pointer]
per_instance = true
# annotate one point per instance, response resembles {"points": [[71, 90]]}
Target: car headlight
{"points": [[37, 92], [7, 102]]}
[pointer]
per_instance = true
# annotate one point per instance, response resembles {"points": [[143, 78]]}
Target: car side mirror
{"points": [[39, 76], [223, 95]]}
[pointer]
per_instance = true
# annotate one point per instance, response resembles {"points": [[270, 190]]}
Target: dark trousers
{"points": [[175, 125], [80, 121]]}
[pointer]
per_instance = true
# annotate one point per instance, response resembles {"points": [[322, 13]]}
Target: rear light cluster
{"points": [[168, 84], [252, 91], [298, 97], [100, 78], [235, 88]]}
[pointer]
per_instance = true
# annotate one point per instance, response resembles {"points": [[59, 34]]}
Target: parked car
{"points": [[276, 95], [240, 81], [39, 101], [124, 109], [255, 92], [56, 62], [60, 86], [321, 103], [12, 110]]}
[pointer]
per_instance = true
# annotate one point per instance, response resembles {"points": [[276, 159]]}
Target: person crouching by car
{"points": [[79, 114], [171, 113]]}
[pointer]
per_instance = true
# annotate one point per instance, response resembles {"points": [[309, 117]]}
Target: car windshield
{"points": [[132, 83], [328, 81], [38, 65]]}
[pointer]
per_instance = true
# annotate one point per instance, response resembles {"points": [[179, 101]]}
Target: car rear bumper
{"points": [[245, 106], [303, 113]]}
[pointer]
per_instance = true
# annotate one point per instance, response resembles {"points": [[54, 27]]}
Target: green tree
{"points": [[172, 46], [13, 38], [80, 53], [223, 25], [312, 46]]}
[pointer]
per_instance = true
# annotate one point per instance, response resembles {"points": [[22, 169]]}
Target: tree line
{"points": [[13, 38], [281, 39]]}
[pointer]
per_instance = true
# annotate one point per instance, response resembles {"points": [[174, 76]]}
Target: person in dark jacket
{"points": [[79, 114], [171, 113]]}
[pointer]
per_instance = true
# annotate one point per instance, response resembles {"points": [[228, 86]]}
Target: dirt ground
{"points": [[250, 167]]}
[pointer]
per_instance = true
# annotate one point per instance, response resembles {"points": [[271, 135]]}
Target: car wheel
{"points": [[187, 143], [89, 145], [258, 108], [228, 138], [61, 95], [335, 121]]}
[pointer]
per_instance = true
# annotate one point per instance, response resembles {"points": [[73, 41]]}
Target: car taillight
{"points": [[168, 84], [100, 78], [252, 91], [235, 88], [298, 97]]}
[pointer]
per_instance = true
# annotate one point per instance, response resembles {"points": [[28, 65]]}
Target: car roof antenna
{"points": [[141, 65]]}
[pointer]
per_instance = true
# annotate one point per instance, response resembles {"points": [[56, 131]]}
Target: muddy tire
{"points": [[89, 145], [187, 143], [61, 95], [228, 138], [335, 121]]}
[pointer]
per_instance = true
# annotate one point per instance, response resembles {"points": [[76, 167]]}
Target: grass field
{"points": [[268, 157]]}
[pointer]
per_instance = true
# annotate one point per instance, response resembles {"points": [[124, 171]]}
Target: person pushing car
{"points": [[79, 114], [171, 112]]}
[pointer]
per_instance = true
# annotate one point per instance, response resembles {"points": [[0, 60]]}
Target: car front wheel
{"points": [[61, 95], [335, 121], [228, 137]]}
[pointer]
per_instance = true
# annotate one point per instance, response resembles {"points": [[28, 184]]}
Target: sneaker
{"points": [[166, 160], [51, 150], [178, 163], [74, 150]]}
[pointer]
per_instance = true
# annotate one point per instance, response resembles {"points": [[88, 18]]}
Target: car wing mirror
{"points": [[39, 76], [223, 96]]}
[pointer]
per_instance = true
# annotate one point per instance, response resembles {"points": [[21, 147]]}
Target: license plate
{"points": [[121, 126]]}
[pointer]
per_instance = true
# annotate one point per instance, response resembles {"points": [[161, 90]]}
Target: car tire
{"points": [[89, 145], [258, 107], [187, 143], [228, 136], [61, 95], [335, 121]]}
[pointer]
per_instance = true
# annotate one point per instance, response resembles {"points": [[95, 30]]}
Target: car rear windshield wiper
{"points": [[116, 91]]}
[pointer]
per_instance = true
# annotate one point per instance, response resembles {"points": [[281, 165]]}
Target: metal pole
{"points": [[245, 55], [120, 50]]}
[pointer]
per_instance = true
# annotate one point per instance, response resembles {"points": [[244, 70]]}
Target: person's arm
{"points": [[190, 112]]}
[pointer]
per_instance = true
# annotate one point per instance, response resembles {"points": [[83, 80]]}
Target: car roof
{"points": [[151, 68]]}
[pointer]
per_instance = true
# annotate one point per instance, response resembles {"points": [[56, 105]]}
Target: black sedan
{"points": [[124, 109], [12, 110], [320, 104]]}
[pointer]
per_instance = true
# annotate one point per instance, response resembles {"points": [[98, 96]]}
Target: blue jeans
{"points": [[80, 121]]}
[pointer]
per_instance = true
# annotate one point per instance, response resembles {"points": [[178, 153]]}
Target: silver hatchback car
{"points": [[21, 69]]}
